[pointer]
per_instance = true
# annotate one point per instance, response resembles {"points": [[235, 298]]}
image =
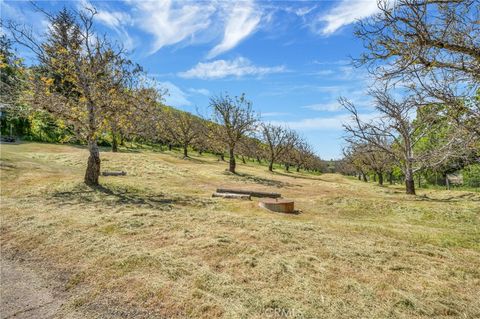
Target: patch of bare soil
{"points": [[24, 294]]}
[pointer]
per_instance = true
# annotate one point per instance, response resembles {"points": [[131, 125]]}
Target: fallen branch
{"points": [[231, 195], [251, 193]]}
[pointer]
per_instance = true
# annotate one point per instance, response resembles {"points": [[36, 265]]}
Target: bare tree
{"points": [[251, 147], [356, 159], [278, 140], [397, 132], [302, 154], [182, 127], [236, 117], [369, 156], [288, 157], [434, 47]]}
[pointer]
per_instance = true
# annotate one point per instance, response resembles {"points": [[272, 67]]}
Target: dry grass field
{"points": [[155, 244]]}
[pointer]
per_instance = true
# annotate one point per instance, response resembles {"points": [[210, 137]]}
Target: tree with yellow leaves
{"points": [[82, 79]]}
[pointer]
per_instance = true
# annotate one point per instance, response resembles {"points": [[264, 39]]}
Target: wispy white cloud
{"points": [[27, 14], [175, 96], [271, 114], [323, 72], [199, 91], [324, 123], [224, 68], [172, 22], [337, 62], [113, 19], [344, 13], [117, 21], [242, 21], [303, 11], [188, 22], [329, 107]]}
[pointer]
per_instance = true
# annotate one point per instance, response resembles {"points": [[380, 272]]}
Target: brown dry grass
{"points": [[155, 244]]}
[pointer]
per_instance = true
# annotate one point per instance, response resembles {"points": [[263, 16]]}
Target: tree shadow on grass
{"points": [[122, 195], [462, 197], [292, 175], [258, 180], [194, 159]]}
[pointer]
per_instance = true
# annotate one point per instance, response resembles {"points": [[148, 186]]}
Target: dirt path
{"points": [[24, 294]]}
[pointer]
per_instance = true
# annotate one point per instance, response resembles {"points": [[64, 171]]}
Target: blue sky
{"points": [[292, 59]]}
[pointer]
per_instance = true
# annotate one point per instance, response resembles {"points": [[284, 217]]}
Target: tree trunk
{"points": [[122, 139], [170, 146], [364, 177], [380, 178], [374, 177], [410, 186], [270, 166], [359, 177], [232, 163], [298, 168], [409, 182], [390, 178], [258, 160], [222, 157], [93, 164], [114, 143], [409, 178], [287, 167], [185, 150], [243, 160]]}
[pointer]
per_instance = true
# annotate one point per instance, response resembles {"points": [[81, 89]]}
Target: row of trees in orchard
{"points": [[424, 57], [85, 88]]}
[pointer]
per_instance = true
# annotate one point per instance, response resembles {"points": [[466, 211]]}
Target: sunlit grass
{"points": [[154, 242]]}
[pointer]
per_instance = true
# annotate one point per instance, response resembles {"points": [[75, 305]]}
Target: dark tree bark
{"points": [[270, 166], [232, 163], [409, 182], [114, 143], [410, 185], [390, 178], [380, 178], [170, 146], [243, 160], [364, 177], [93, 165], [185, 150], [122, 139]]}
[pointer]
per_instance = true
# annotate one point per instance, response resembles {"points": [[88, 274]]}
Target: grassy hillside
{"points": [[155, 244]]}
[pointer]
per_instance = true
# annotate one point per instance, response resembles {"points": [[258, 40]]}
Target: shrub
{"points": [[471, 175]]}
